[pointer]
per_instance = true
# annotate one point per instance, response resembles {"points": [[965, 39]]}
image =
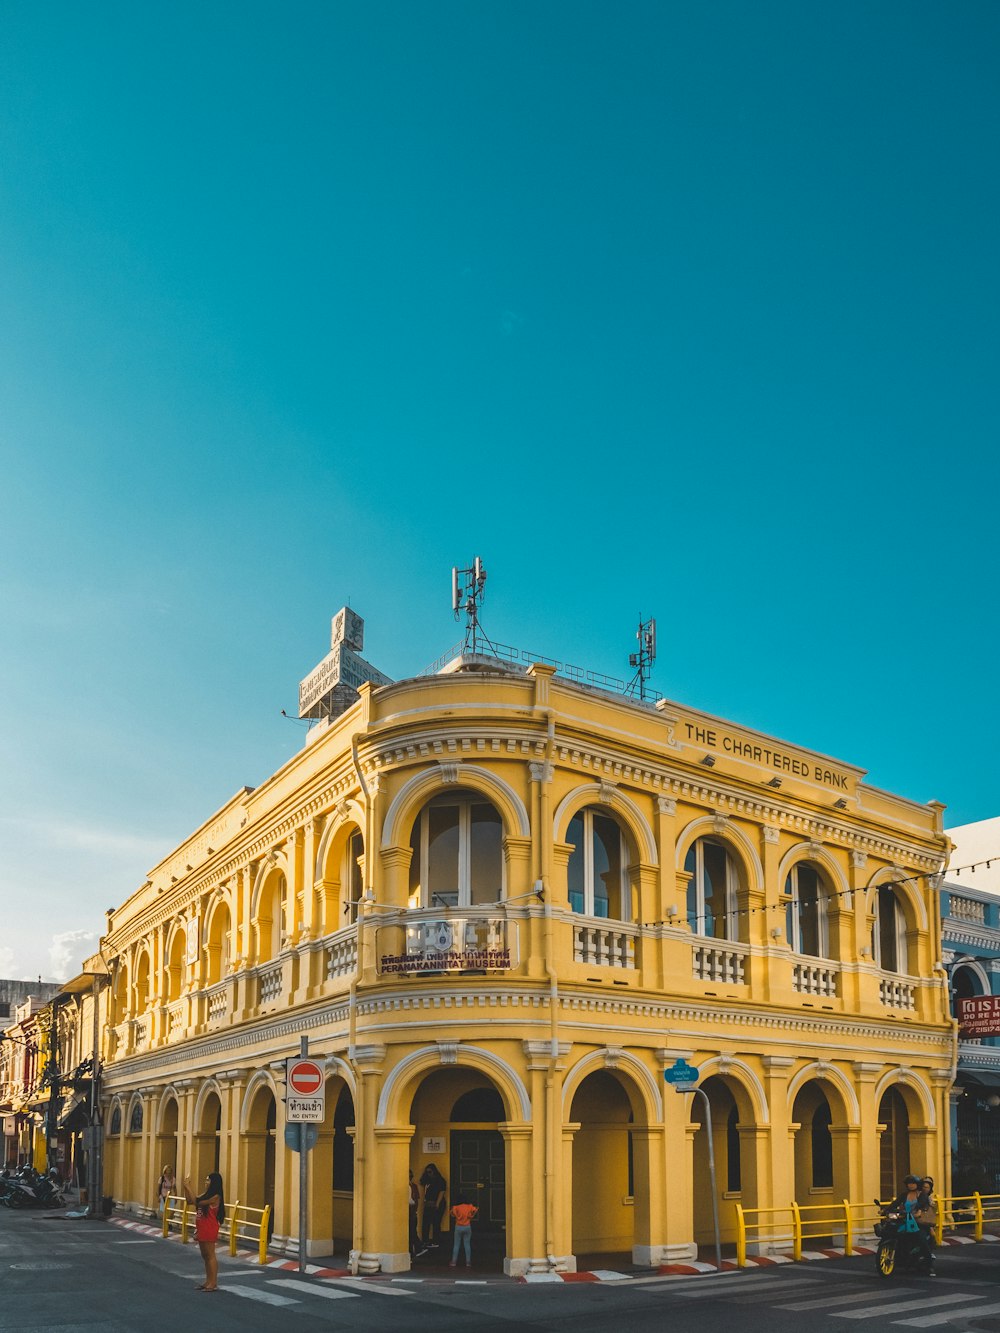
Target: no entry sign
{"points": [[306, 1087]]}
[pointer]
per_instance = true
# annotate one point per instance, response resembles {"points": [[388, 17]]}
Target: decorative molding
{"points": [[606, 792], [448, 1052], [448, 774], [542, 772], [666, 805], [771, 832]]}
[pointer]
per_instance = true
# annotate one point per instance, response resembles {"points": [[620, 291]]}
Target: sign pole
{"points": [[303, 1174], [700, 1092], [683, 1077]]}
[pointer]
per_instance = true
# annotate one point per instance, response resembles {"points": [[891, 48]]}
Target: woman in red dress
{"points": [[211, 1214]]}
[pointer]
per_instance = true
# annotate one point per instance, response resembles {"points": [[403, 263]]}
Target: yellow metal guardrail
{"points": [[251, 1225], [786, 1228]]}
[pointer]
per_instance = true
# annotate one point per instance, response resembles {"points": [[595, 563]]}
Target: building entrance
{"points": [[478, 1175]]}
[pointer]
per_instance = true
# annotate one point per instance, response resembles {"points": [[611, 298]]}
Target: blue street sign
{"points": [[681, 1076], [292, 1136]]}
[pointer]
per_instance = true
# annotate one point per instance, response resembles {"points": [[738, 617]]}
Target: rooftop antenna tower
{"points": [[468, 587], [643, 660]]}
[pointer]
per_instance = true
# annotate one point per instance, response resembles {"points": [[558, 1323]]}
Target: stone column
{"points": [[519, 1180], [866, 1174], [776, 1186], [369, 1181], [676, 1181]]}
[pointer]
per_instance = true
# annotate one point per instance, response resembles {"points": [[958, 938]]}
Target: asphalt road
{"points": [[65, 1276]]}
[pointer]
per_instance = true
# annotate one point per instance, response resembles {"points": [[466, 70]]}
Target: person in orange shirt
{"points": [[462, 1215]]}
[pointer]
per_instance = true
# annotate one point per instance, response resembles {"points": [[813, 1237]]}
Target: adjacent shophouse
{"points": [[970, 905], [500, 900]]}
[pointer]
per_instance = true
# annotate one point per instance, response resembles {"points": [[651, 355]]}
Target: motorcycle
{"points": [[28, 1188], [898, 1248]]}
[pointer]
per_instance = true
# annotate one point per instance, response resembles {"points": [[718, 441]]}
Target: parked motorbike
{"points": [[28, 1188], [899, 1250]]}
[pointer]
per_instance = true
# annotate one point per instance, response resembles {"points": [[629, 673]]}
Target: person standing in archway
{"points": [[413, 1204], [435, 1189], [165, 1186]]}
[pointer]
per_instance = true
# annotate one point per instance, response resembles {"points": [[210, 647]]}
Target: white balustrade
{"points": [[218, 1003], [603, 944], [720, 963], [815, 979], [968, 909], [342, 957], [269, 983], [897, 994], [175, 1019]]}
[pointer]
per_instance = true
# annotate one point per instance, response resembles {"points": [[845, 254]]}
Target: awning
{"points": [[77, 1115], [983, 1078]]}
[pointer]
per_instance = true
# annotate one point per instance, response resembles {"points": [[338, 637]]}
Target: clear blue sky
{"points": [[673, 308]]}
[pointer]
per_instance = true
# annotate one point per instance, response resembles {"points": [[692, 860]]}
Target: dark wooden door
{"points": [[478, 1174]]}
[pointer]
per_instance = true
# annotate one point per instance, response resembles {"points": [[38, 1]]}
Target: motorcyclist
{"points": [[913, 1207]]}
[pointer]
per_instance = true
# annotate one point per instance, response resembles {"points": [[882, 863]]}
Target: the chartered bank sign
{"points": [[454, 944]]}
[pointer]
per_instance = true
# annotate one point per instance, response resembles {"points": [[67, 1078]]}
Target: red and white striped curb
{"points": [[692, 1268]]}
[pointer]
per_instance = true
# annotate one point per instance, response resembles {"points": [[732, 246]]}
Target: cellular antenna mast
{"points": [[643, 660], [468, 587]]}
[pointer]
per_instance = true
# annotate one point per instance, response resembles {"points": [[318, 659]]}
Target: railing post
{"points": [[184, 1223], [233, 1217], [741, 1238], [166, 1218], [979, 1214], [848, 1230], [939, 1224], [264, 1222], [796, 1232]]}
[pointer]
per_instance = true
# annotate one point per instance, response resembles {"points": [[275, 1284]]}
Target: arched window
{"points": [[711, 893], [142, 984], [350, 875], [271, 918], [115, 1128], [964, 986], [135, 1119], [175, 966], [457, 846], [806, 912], [218, 944], [598, 882], [889, 935]]}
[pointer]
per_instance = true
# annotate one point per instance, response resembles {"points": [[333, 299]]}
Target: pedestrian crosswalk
{"points": [[926, 1306], [254, 1286]]}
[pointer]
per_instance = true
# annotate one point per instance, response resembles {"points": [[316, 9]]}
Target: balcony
{"points": [[599, 943], [269, 983], [898, 994], [810, 978], [217, 1003], [725, 964], [342, 955], [967, 909]]}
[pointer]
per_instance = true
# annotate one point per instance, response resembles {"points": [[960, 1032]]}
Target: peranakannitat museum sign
{"points": [[455, 944]]}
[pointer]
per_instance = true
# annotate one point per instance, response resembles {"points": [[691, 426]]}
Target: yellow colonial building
{"points": [[501, 902]]}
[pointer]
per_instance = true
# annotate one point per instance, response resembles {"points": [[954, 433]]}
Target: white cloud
{"points": [[68, 950]]}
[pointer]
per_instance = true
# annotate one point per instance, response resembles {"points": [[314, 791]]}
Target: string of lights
{"points": [[782, 906]]}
